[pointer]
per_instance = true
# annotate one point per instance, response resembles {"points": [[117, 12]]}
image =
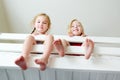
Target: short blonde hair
{"points": [[41, 14], [70, 26]]}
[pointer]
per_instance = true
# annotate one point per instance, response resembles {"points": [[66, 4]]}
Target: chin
{"points": [[76, 34]]}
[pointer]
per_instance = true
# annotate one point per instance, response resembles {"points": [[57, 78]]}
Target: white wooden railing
{"points": [[106, 54]]}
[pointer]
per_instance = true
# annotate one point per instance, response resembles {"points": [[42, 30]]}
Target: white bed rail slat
{"points": [[10, 47], [97, 39], [68, 62], [15, 47]]}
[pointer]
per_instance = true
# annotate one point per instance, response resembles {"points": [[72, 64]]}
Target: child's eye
{"points": [[38, 21], [44, 22], [78, 25], [72, 26]]}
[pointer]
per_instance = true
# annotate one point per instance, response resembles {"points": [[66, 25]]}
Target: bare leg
{"points": [[48, 47], [59, 47], [22, 60], [89, 45]]}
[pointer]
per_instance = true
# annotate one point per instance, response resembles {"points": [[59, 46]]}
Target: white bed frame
{"points": [[106, 54]]}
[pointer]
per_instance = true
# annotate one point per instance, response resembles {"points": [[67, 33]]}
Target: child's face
{"points": [[76, 28], [41, 24]]}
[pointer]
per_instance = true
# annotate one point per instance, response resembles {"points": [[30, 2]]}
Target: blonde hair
{"points": [[70, 26], [41, 14]]}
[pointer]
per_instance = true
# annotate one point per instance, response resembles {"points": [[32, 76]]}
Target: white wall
{"points": [[3, 21], [99, 17]]}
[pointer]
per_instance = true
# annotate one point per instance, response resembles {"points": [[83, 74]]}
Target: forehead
{"points": [[41, 18], [76, 23]]}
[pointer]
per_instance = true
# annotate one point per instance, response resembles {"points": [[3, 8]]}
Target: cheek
{"points": [[71, 29], [35, 25], [81, 29], [46, 28]]}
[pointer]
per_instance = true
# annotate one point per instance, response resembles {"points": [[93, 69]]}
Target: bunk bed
{"points": [[105, 58]]}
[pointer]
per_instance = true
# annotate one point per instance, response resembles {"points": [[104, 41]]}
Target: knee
{"points": [[30, 37]]}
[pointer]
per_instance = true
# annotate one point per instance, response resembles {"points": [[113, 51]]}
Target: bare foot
{"points": [[86, 43], [59, 47], [21, 63], [42, 64], [89, 48]]}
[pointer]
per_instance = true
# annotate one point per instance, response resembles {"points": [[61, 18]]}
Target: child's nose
{"points": [[75, 26]]}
